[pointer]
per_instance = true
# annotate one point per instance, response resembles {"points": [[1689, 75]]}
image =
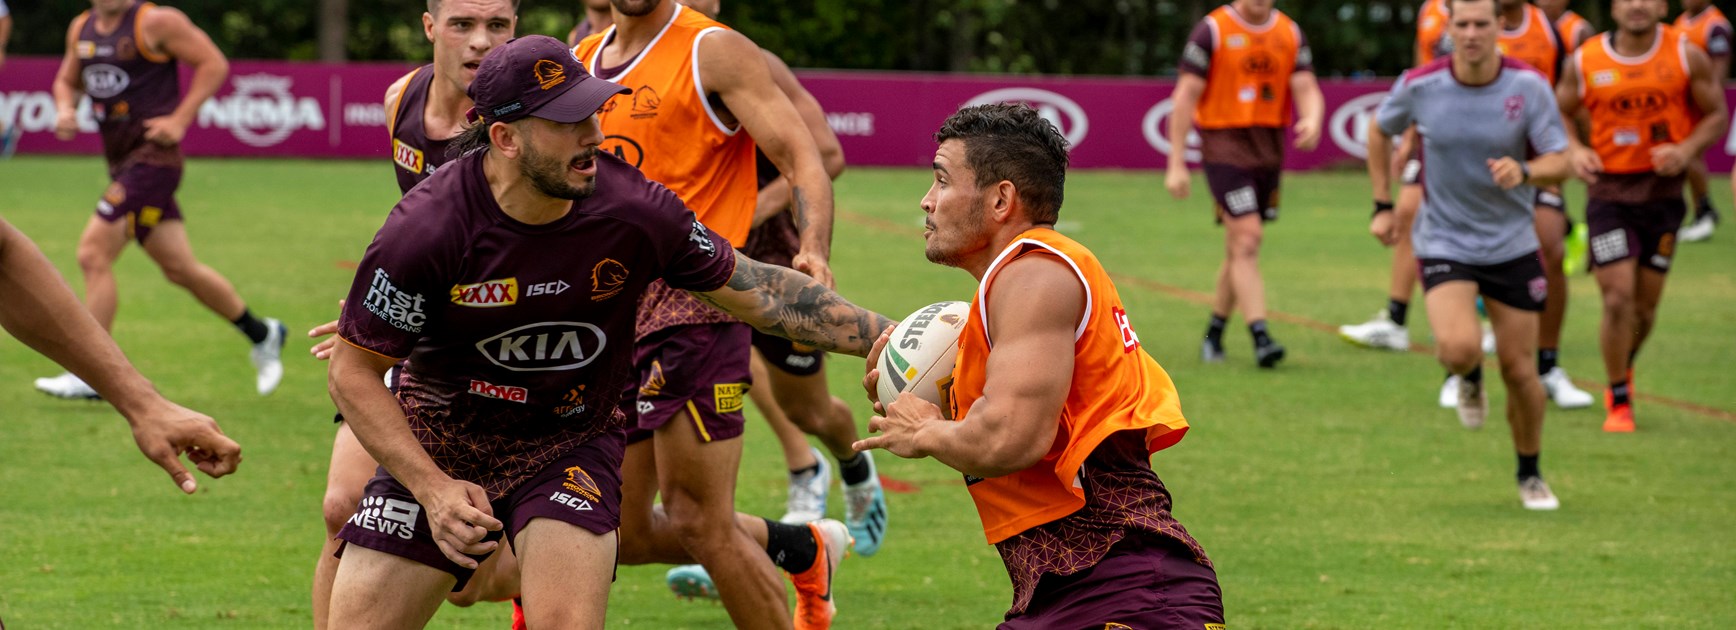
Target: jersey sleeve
{"points": [[1196, 56], [1543, 126], [398, 286], [693, 257], [1304, 53], [1395, 113], [3, 10], [1718, 40]]}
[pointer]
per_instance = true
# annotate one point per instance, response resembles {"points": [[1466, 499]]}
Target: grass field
{"points": [[1331, 493]]}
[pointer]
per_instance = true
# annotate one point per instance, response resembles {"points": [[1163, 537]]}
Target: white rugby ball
{"points": [[919, 358]]}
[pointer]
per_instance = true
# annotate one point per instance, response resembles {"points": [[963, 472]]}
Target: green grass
{"points": [[1331, 492]]}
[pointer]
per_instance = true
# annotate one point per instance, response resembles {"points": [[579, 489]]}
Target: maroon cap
{"points": [[537, 75]]}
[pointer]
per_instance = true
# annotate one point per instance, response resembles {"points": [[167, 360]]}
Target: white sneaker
{"points": [[1473, 405], [1488, 339], [1450, 392], [1535, 494], [1699, 229], [67, 385], [1561, 390], [807, 497], [267, 357], [1379, 332]]}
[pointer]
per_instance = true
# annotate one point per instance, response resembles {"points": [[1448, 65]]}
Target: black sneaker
{"points": [[1211, 351], [1269, 355]]}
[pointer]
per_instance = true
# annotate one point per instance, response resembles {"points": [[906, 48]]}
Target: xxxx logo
{"points": [[489, 294]]}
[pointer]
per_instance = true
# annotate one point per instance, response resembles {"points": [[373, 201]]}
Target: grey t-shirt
{"points": [[1466, 217]]}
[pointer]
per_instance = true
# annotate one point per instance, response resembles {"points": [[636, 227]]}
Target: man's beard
{"points": [[548, 174]]}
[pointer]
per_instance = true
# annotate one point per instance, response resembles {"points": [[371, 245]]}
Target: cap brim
{"points": [[580, 101]]}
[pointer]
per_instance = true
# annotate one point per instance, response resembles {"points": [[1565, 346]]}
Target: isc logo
{"points": [[547, 288], [571, 501]]}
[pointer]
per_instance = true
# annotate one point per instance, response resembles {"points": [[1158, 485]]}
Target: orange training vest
{"points": [[1116, 386], [1568, 28], [668, 129], [1699, 28], [1431, 28], [1535, 42], [1636, 103], [1248, 84]]}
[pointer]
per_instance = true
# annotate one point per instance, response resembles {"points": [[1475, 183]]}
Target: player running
{"points": [[124, 55], [505, 422], [696, 87], [1708, 29], [1244, 67], [425, 112], [1058, 418], [1640, 91], [1572, 28], [1480, 114]]}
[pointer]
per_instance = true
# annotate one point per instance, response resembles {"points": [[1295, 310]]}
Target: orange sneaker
{"points": [[1619, 418], [814, 605], [518, 615]]}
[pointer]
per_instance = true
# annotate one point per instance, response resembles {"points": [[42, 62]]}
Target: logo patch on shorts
{"points": [[1242, 200], [1215, 626], [727, 397], [1116, 626], [799, 361], [1609, 246], [115, 195], [387, 516], [579, 482], [150, 216], [570, 501], [1539, 287], [1667, 244]]}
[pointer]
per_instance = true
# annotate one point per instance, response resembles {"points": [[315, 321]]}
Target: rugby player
{"points": [[1057, 420], [42, 312], [1244, 67], [505, 419], [596, 18], [424, 112], [1633, 157], [697, 86], [1480, 115], [124, 55], [1572, 28], [1708, 29]]}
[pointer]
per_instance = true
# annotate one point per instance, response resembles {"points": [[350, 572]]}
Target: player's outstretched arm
{"points": [[168, 33], [779, 301], [42, 312], [733, 67], [1035, 317]]}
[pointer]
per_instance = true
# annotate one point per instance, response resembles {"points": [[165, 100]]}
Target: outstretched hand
{"points": [[169, 430]]}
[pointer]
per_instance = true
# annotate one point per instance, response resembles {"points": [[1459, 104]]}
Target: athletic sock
{"points": [[1546, 360], [1618, 393], [251, 326], [1215, 329], [856, 471], [791, 547], [805, 472], [1528, 466], [1258, 330], [1703, 206], [1397, 311], [1475, 376]]}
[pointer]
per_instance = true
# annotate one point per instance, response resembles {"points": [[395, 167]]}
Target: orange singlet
{"points": [[1636, 103], [668, 128], [1569, 26], [1248, 83], [1700, 29], [1431, 32], [1116, 387], [1535, 42]]}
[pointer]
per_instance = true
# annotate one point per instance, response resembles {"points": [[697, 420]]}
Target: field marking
{"points": [[1204, 299]]}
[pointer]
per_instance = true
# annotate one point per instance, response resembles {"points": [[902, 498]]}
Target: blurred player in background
{"points": [[1480, 115], [1059, 408], [597, 18], [1245, 66], [424, 114], [1707, 28], [1633, 154], [41, 311], [1572, 27], [124, 54]]}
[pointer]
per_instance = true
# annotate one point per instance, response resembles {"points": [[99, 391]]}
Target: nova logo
{"points": [[545, 346], [487, 294], [407, 156], [102, 80], [387, 516], [502, 392], [262, 112]]}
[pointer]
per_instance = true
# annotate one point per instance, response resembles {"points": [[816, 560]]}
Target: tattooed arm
{"points": [[784, 302]]}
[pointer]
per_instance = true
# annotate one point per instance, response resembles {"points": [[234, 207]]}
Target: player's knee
{"points": [[1516, 369], [1245, 246], [1460, 356], [1617, 300], [338, 507], [180, 275], [93, 260], [697, 530]]}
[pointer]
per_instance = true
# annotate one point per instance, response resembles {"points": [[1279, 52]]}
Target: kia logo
{"points": [[625, 148], [1156, 129], [1639, 103], [1259, 63], [102, 80], [545, 346], [1349, 125], [1066, 115]]}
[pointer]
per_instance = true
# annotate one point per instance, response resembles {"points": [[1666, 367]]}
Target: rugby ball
{"points": [[919, 357]]}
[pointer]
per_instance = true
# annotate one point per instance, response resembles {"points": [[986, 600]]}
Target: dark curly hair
{"points": [[1011, 142]]}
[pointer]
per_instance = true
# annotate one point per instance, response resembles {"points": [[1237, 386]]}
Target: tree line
{"points": [[1096, 37]]}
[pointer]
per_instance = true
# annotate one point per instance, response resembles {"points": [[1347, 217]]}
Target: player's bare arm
{"points": [[1186, 97], [1382, 225], [1582, 159], [42, 312], [5, 36], [775, 197], [733, 67], [779, 301], [394, 92], [68, 86], [1034, 312], [1708, 95], [458, 511], [167, 32], [1310, 109]]}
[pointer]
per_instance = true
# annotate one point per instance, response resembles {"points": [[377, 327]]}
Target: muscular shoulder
{"points": [[394, 95], [727, 58], [161, 21]]}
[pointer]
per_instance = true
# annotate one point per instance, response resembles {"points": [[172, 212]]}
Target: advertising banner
{"points": [[317, 110]]}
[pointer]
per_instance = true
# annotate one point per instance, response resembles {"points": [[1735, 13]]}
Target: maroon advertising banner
{"points": [[316, 110]]}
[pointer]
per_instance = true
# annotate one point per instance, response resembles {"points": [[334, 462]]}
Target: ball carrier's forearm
{"points": [[783, 302]]}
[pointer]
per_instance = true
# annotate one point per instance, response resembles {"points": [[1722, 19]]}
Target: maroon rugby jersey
{"points": [[127, 85], [415, 156], [520, 337]]}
